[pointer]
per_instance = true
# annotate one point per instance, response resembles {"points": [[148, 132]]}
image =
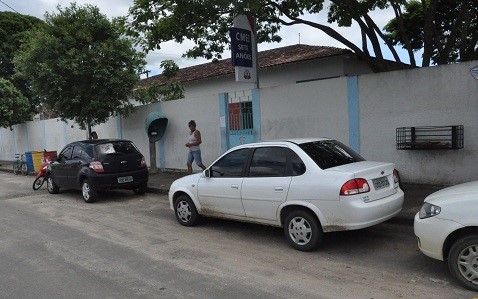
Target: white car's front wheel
{"points": [[302, 230], [185, 211], [463, 261]]}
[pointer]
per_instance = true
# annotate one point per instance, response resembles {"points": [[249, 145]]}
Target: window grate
{"points": [[430, 137], [240, 116]]}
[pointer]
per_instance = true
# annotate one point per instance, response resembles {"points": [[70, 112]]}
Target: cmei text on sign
{"points": [[241, 46]]}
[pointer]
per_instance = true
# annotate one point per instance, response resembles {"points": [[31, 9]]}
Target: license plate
{"points": [[381, 183], [125, 179]]}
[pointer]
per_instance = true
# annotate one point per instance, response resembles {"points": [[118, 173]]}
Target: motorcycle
{"points": [[40, 178]]}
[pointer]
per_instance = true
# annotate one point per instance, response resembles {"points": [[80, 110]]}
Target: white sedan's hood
{"points": [[458, 203], [186, 181], [455, 194]]}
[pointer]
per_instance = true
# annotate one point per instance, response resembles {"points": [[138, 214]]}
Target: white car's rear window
{"points": [[330, 153]]}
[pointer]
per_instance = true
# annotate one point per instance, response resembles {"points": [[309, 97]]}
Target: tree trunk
{"points": [[428, 30]]}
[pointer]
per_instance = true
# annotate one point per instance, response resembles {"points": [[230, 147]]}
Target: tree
{"points": [[14, 30], [207, 22], [81, 65], [14, 107], [155, 91], [451, 37]]}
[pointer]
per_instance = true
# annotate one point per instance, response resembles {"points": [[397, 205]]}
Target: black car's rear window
{"points": [[115, 148], [330, 153]]}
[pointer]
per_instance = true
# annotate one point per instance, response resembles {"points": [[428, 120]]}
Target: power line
{"points": [[9, 6]]}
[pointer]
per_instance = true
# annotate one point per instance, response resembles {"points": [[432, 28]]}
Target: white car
{"points": [[307, 186], [447, 229]]}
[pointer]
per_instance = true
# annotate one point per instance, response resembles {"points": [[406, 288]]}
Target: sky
{"points": [[290, 35]]}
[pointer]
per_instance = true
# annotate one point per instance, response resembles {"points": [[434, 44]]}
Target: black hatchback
{"points": [[98, 165]]}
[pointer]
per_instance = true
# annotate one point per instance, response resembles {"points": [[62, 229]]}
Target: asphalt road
{"points": [[128, 246]]}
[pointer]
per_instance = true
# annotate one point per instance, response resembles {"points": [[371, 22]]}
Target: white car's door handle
{"points": [[235, 187], [280, 189]]}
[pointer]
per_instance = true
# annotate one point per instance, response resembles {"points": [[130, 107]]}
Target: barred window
{"points": [[240, 116]]}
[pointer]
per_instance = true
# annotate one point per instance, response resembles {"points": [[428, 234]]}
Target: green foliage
{"points": [[14, 30], [206, 23], [81, 65], [14, 107], [454, 31], [154, 92]]}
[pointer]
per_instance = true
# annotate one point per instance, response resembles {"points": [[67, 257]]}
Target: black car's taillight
{"points": [[97, 166]]}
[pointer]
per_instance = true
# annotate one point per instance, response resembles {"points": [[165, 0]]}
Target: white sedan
{"points": [[447, 229], [307, 186]]}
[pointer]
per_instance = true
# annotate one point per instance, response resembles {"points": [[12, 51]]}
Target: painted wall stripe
{"points": [[44, 134], [160, 150], [65, 134], [256, 118], [223, 119], [15, 145], [119, 128], [354, 113]]}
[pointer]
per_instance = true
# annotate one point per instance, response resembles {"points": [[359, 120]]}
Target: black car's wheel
{"points": [[38, 182], [463, 261], [52, 187], [88, 191], [302, 230], [185, 211], [140, 189]]}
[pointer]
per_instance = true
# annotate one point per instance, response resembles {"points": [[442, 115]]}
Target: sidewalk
{"points": [[160, 182]]}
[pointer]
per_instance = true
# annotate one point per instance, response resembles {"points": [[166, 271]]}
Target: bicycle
{"points": [[20, 165]]}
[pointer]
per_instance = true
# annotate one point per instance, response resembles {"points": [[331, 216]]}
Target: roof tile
{"points": [[268, 58]]}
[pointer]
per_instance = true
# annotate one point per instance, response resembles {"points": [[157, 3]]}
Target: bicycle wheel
{"points": [[24, 168], [15, 168], [38, 182]]}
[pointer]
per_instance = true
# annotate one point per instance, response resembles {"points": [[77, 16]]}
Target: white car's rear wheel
{"points": [[302, 230], [463, 261]]}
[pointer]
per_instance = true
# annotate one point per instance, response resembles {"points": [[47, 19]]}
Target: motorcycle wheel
{"points": [[38, 182]]}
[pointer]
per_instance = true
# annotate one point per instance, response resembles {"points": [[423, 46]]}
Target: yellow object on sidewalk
{"points": [[37, 158]]}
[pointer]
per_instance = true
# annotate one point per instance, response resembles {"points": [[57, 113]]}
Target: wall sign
{"points": [[244, 49], [241, 47]]}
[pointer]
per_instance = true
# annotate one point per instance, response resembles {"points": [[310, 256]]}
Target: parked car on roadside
{"points": [[447, 229], [98, 165], [306, 186]]}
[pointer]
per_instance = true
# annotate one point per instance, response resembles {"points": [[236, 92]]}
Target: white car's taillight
{"points": [[396, 177], [355, 186], [97, 166]]}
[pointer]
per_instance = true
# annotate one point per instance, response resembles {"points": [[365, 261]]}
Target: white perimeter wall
{"points": [[312, 109], [445, 95], [205, 111], [435, 96]]}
